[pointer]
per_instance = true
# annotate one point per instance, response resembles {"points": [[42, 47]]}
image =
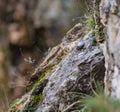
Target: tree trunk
{"points": [[110, 17]]}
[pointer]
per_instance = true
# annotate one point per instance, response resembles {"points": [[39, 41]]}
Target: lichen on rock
{"points": [[72, 74]]}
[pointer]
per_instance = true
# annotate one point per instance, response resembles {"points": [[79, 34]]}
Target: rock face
{"points": [[69, 70], [110, 16], [72, 74], [27, 29]]}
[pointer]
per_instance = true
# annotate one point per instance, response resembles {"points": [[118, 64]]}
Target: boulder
{"points": [[69, 69]]}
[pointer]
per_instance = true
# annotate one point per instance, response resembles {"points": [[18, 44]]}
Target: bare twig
{"points": [[87, 5], [71, 105]]}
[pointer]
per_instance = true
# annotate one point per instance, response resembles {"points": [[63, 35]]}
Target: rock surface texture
{"points": [[27, 29], [69, 70], [110, 16]]}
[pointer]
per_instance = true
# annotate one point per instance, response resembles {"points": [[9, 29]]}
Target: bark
{"points": [[110, 17]]}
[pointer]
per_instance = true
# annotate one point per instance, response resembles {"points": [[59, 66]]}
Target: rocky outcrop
{"points": [[27, 29], [70, 69]]}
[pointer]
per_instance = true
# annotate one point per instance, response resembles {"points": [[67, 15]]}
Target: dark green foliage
{"points": [[99, 31], [28, 109]]}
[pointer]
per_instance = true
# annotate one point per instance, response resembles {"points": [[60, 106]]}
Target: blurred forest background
{"points": [[28, 28]]}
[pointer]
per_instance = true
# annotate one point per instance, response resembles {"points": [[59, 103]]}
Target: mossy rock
{"points": [[39, 77]]}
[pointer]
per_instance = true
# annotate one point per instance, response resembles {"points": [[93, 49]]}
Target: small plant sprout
{"points": [[115, 10], [29, 60]]}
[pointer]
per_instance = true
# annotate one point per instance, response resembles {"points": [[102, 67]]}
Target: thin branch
{"points": [[71, 106], [87, 5]]}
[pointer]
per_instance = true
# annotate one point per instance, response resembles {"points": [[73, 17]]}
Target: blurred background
{"points": [[28, 28]]}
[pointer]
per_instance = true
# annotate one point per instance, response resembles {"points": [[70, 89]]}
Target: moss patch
{"points": [[34, 101], [115, 10], [40, 76], [99, 34], [90, 21], [14, 102], [36, 97]]}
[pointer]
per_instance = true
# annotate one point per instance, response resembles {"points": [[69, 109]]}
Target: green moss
{"points": [[99, 31], [42, 73], [15, 111], [99, 35], [32, 105], [36, 97], [28, 109], [115, 10], [14, 102], [90, 21], [40, 76]]}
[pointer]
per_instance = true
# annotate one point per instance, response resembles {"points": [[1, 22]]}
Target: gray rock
{"points": [[72, 74]]}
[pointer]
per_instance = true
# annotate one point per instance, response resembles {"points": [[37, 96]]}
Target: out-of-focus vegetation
{"points": [[97, 102]]}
